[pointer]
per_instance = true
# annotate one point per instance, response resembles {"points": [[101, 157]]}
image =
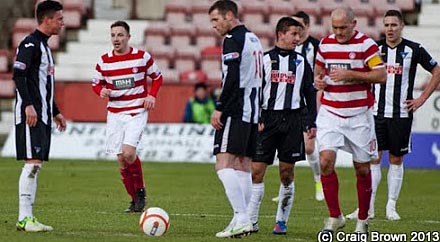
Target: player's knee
{"points": [[128, 156], [309, 149]]}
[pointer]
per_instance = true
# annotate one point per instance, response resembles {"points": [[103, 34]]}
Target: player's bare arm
{"points": [[377, 75], [413, 105], [31, 115], [60, 122], [149, 102], [319, 81]]}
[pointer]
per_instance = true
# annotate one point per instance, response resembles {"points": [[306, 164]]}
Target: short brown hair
{"points": [[47, 9], [122, 24], [394, 13], [223, 6]]}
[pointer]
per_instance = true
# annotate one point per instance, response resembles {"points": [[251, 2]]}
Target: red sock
{"points": [[330, 186], [127, 179], [136, 173], [364, 194]]}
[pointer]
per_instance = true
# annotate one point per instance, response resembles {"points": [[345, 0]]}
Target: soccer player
{"points": [[35, 108], [395, 106], [121, 76], [288, 80], [236, 114], [347, 64]]}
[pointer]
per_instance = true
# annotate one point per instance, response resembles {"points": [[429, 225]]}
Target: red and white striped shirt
{"points": [[346, 98], [126, 77]]}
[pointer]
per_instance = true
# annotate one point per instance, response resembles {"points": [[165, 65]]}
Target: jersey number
{"points": [[258, 55]]}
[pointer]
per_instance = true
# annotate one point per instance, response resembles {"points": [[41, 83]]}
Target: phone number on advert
{"points": [[374, 236]]}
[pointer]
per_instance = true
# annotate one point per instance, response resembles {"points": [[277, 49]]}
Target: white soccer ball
{"points": [[154, 221]]}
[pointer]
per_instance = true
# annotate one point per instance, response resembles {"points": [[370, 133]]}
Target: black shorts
{"points": [[236, 137], [393, 134], [283, 133], [32, 142]]}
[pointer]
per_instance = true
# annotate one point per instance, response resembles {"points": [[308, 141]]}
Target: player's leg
{"points": [[286, 194], [133, 130], [258, 172], [395, 179], [329, 137], [312, 157], [32, 146], [228, 148]]}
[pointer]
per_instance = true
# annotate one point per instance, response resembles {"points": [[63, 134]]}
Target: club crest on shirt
{"points": [[403, 54], [352, 55], [297, 61], [135, 70], [123, 83]]}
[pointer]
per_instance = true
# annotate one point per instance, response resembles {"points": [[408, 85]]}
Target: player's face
{"points": [[343, 28], [55, 23], [393, 28], [291, 38], [221, 23], [120, 39]]}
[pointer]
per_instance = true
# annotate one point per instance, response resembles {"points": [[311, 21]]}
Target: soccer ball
{"points": [[154, 221]]}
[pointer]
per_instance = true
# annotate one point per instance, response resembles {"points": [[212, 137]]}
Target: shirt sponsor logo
{"points": [[19, 65], [124, 83], [395, 69], [231, 56], [276, 76], [343, 66]]}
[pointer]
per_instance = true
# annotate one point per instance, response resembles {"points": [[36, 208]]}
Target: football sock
{"points": [[255, 202], [245, 180], [364, 195], [234, 193], [314, 165], [27, 189], [330, 187], [127, 180], [136, 173], [395, 178], [286, 195], [376, 176]]}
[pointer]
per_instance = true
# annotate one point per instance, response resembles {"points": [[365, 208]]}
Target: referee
{"points": [[288, 81], [35, 108]]}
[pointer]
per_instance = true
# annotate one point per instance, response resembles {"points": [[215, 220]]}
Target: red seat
{"points": [[176, 11], [182, 35], [206, 36], [253, 11], [199, 12], [163, 55], [186, 58], [211, 60], [7, 86], [157, 33], [193, 76], [4, 60], [278, 9]]}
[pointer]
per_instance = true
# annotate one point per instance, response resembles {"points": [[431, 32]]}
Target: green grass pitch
{"points": [[84, 200]]}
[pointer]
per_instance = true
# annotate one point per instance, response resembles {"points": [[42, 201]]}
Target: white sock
{"points": [[255, 202], [234, 193], [376, 176], [246, 184], [286, 194], [27, 189], [314, 165], [395, 178]]}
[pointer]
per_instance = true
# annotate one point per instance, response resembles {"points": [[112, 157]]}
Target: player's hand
{"points": [[31, 116], [338, 75], [319, 83], [413, 105], [105, 93], [60, 121], [311, 133], [149, 102], [260, 127], [215, 120]]}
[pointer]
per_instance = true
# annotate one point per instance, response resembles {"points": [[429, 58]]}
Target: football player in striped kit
{"points": [[288, 81], [395, 106], [121, 77], [347, 64]]}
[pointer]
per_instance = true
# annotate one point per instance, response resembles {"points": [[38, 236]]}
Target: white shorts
{"points": [[124, 129], [355, 135]]}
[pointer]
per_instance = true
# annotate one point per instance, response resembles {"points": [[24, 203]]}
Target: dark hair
{"points": [[223, 6], [47, 9], [394, 13], [284, 23], [122, 24], [304, 16], [200, 85]]}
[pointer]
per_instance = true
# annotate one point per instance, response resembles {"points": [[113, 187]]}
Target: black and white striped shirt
{"points": [[288, 82], [34, 78], [308, 49], [242, 75], [401, 64]]}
